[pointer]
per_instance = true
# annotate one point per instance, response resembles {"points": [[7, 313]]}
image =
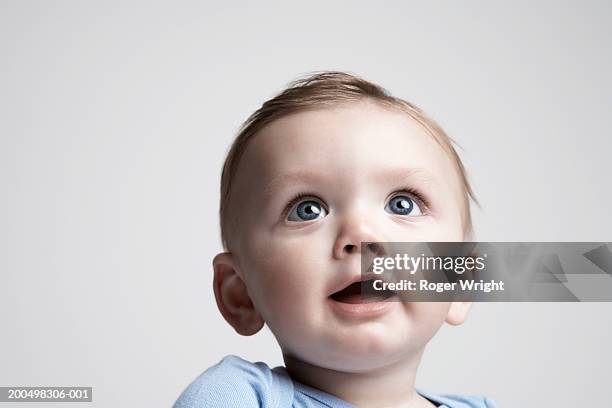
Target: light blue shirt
{"points": [[235, 382]]}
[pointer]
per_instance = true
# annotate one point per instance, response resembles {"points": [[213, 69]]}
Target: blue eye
{"points": [[307, 210], [403, 205]]}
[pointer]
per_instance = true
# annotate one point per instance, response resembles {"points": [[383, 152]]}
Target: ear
{"points": [[457, 313], [232, 297]]}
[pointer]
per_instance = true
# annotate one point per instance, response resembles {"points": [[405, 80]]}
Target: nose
{"points": [[354, 231]]}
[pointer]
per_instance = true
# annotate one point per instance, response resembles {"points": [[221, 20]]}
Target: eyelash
{"points": [[414, 193], [421, 200], [296, 199]]}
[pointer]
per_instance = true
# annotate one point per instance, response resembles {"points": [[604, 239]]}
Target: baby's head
{"points": [[329, 163]]}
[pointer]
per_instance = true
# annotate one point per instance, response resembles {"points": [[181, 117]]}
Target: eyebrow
{"points": [[283, 180], [399, 174], [404, 174]]}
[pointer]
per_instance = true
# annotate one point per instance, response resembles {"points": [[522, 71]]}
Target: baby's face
{"points": [[309, 189]]}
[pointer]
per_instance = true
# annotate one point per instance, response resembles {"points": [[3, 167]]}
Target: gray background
{"points": [[115, 120]]}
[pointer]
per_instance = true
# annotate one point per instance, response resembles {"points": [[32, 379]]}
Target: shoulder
{"points": [[459, 401], [234, 382]]}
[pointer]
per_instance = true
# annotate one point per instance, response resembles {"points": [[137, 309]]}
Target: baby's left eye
{"points": [[403, 205]]}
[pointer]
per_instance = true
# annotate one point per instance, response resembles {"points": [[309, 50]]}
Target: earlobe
{"points": [[457, 313], [232, 297]]}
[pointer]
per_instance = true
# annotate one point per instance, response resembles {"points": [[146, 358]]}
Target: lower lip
{"points": [[363, 310]]}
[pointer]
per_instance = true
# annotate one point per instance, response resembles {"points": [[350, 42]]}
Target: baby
{"points": [[331, 162]]}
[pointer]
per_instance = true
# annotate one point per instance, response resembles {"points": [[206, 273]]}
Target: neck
{"points": [[388, 386]]}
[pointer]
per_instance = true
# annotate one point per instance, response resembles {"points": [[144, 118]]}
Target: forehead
{"points": [[348, 143]]}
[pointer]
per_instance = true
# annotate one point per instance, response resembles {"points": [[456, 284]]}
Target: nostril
{"points": [[375, 248], [350, 248]]}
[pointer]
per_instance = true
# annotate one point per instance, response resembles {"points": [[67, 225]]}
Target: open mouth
{"points": [[361, 292]]}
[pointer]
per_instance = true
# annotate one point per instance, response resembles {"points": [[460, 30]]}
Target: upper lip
{"points": [[362, 277]]}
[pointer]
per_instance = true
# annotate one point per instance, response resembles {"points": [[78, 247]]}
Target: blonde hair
{"points": [[326, 89]]}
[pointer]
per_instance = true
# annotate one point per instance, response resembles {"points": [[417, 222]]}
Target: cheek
{"points": [[438, 230], [450, 231], [286, 277], [427, 318], [448, 225]]}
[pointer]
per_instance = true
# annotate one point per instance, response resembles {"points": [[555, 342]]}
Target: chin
{"points": [[361, 363], [367, 349]]}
